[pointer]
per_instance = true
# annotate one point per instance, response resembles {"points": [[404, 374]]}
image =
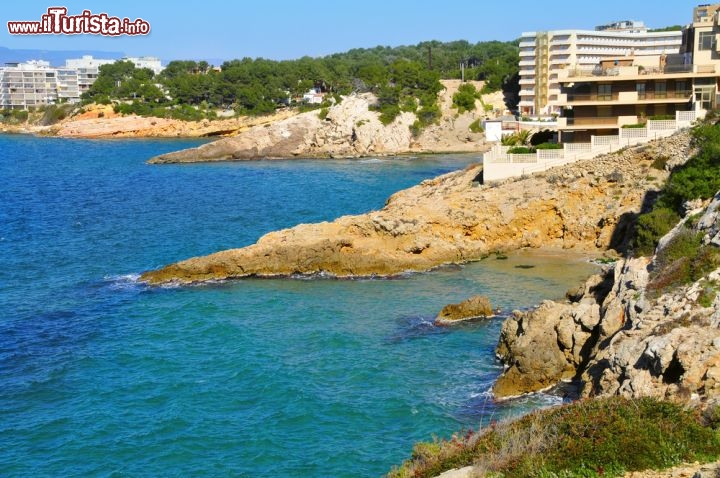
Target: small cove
{"points": [[311, 377]]}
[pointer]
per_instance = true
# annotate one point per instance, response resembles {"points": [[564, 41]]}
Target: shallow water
{"points": [[100, 375]]}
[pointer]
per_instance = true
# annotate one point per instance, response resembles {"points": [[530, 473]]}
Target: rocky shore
{"points": [[348, 129], [100, 121], [622, 333], [455, 218]]}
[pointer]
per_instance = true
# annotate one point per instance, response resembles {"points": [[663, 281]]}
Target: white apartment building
{"points": [[35, 83], [87, 69], [28, 85], [145, 62], [543, 54]]}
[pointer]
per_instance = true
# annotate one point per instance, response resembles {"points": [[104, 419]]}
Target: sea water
{"points": [[103, 376]]}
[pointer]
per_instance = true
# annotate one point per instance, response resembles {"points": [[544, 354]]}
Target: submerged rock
{"points": [[472, 308]]}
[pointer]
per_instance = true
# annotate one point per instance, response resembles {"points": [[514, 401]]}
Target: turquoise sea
{"points": [[103, 376]]}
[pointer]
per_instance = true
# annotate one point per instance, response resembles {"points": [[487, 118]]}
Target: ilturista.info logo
{"points": [[57, 22]]}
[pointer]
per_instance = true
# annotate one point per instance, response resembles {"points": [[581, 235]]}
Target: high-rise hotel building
{"points": [[544, 54]]}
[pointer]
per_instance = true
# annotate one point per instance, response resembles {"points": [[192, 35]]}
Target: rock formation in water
{"points": [[475, 307], [452, 219]]}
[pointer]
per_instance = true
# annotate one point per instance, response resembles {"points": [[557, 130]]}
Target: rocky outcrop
{"points": [[623, 340], [475, 307], [348, 129], [452, 219], [101, 121]]}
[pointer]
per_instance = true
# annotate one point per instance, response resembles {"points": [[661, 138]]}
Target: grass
{"points": [[588, 438], [685, 259]]}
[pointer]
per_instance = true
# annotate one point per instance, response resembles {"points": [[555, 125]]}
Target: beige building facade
{"points": [[544, 55]]}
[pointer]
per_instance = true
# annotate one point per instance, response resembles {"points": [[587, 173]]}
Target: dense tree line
{"points": [[405, 78]]}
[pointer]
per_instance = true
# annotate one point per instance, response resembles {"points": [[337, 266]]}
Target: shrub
{"points": [[651, 227], [521, 150], [322, 114], [416, 128], [388, 113], [636, 125], [464, 98], [476, 127], [549, 146], [662, 117], [409, 104], [429, 114], [54, 113], [586, 438], [660, 162], [682, 261]]}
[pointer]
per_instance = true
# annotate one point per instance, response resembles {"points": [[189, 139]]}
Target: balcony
{"points": [[626, 97], [527, 44], [530, 92], [624, 72], [588, 122]]}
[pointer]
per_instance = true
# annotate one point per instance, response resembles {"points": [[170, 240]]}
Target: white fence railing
{"points": [[630, 133], [605, 140], [655, 125], [577, 147], [685, 116], [549, 154], [498, 164]]}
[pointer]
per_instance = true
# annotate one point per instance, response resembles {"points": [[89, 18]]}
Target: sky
{"points": [[278, 29]]}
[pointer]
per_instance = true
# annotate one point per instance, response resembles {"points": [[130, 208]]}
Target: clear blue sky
{"points": [[277, 29]]}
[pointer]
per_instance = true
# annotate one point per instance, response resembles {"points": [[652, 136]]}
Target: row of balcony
{"points": [[623, 97], [639, 70], [603, 122]]}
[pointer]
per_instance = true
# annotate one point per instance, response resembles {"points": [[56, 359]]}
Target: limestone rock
{"points": [[349, 129], [449, 219], [528, 346], [472, 308]]}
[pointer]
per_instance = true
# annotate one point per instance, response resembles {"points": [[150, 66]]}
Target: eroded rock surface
{"points": [[452, 219], [623, 340], [472, 308]]}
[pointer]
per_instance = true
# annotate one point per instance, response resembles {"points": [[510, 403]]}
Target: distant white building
{"points": [[87, 69], [145, 62], [35, 83], [314, 96]]}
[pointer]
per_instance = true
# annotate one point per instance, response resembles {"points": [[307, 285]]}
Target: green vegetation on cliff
{"points": [[698, 178], [405, 79], [588, 438]]}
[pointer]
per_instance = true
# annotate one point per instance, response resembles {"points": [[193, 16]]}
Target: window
{"points": [[704, 95], [706, 41], [640, 88], [660, 89], [604, 92], [681, 89]]}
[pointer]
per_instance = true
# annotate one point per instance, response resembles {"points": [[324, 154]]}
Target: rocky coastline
{"points": [[454, 218], [345, 130], [617, 335]]}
